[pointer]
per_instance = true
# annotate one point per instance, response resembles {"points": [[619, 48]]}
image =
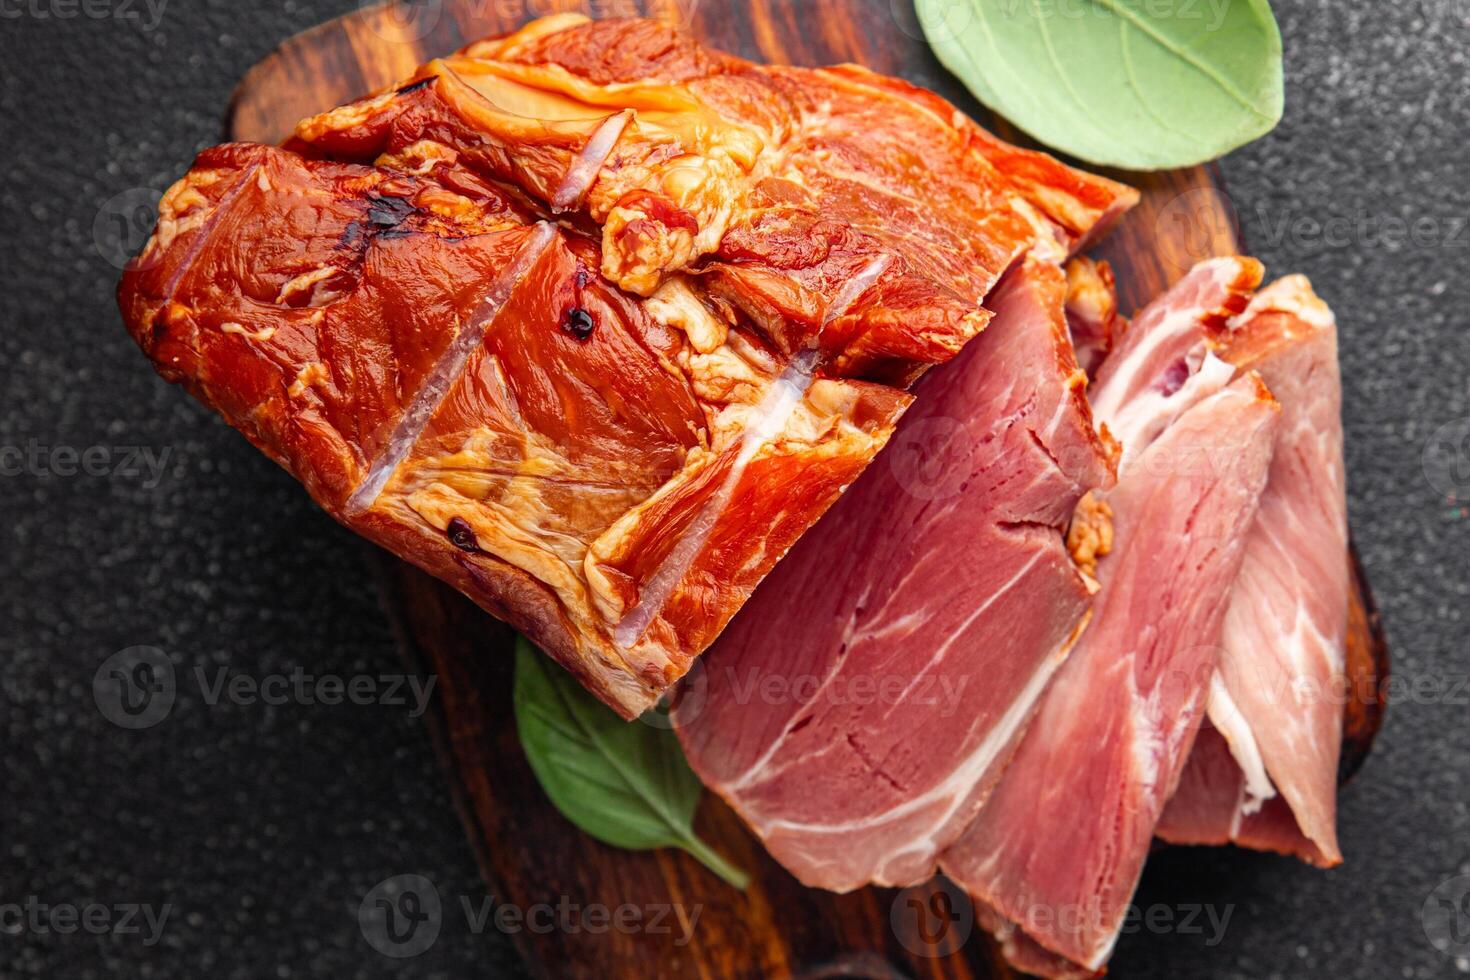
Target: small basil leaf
{"points": [[1142, 84], [626, 784]]}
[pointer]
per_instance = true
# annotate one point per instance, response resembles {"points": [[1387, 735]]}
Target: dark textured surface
{"points": [[264, 826]]}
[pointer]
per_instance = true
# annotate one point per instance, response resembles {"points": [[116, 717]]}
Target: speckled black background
{"points": [[263, 827]]}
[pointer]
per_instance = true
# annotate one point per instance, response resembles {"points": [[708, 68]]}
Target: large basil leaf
{"points": [[1143, 84], [627, 784]]}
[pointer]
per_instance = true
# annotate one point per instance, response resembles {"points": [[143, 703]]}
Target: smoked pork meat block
{"points": [[593, 322]]}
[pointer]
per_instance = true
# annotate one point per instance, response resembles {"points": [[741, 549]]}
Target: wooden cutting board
{"points": [[527, 852]]}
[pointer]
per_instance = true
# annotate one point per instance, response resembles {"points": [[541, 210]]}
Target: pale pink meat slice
{"points": [[1279, 699]]}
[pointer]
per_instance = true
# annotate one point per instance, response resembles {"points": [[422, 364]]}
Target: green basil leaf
{"points": [[1142, 84], [625, 783]]}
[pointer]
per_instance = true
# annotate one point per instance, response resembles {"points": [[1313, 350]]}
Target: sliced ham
{"points": [[1055, 855], [861, 707], [1267, 776], [1059, 848], [1213, 805]]}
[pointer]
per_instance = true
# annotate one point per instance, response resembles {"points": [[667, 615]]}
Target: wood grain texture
{"points": [[527, 852]]}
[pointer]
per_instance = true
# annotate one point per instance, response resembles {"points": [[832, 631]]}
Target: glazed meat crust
{"points": [[589, 321]]}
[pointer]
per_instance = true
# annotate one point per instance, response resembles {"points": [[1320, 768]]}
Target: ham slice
{"points": [[1213, 805], [1059, 848], [1055, 855], [860, 708], [1266, 777]]}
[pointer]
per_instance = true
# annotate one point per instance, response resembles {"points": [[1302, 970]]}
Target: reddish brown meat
{"points": [[605, 429]]}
